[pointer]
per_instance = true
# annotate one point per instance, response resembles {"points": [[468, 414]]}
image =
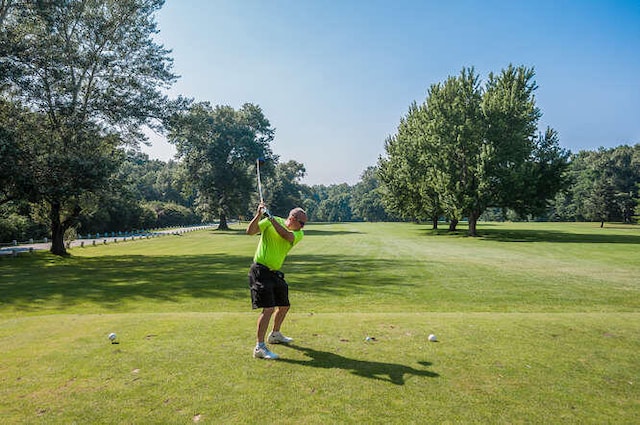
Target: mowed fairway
{"points": [[537, 323]]}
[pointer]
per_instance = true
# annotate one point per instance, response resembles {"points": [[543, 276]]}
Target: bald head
{"points": [[297, 219], [299, 213]]}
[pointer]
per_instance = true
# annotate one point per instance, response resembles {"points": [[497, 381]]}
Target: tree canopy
{"points": [[467, 148], [604, 186], [284, 191], [219, 146], [89, 75]]}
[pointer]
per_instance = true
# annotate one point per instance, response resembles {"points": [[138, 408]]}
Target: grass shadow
{"points": [[43, 279], [321, 232], [526, 235], [110, 281], [230, 231], [338, 275], [500, 234], [389, 372]]}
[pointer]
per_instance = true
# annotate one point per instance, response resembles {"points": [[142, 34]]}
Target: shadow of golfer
{"points": [[390, 372]]}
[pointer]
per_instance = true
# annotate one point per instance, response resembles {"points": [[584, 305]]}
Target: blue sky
{"points": [[335, 77]]}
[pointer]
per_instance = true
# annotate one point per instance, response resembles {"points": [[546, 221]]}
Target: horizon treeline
{"points": [[603, 187]]}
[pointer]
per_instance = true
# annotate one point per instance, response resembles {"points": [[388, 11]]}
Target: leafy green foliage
{"points": [[409, 184], [19, 131], [91, 74], [603, 186], [283, 190], [468, 148], [137, 197], [167, 214], [367, 198], [219, 147], [330, 203]]}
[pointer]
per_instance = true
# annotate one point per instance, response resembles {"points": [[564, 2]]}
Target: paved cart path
{"points": [[14, 249]]}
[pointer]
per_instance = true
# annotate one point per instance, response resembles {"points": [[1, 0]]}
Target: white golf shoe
{"points": [[278, 338], [262, 352]]}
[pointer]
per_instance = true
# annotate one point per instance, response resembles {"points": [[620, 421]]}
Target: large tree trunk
{"points": [[434, 220], [453, 223], [59, 227], [57, 230], [473, 221], [223, 222]]}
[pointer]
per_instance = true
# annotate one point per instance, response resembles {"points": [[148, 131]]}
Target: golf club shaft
{"points": [[259, 183]]}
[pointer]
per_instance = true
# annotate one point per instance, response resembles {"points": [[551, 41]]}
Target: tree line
{"points": [[472, 150], [150, 193], [81, 80]]}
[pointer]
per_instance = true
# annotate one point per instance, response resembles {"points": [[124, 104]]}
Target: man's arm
{"points": [[282, 231], [253, 227]]}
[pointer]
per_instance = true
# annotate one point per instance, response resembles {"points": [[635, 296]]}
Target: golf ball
{"points": [[112, 336], [432, 338]]}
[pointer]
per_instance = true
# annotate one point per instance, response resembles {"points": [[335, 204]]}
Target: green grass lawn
{"points": [[538, 323]]}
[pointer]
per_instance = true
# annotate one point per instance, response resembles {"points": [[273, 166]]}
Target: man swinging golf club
{"points": [[269, 290]]}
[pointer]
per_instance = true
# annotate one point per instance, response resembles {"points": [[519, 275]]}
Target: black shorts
{"points": [[268, 288]]}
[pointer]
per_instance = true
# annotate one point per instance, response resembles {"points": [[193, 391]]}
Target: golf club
{"points": [[258, 162]]}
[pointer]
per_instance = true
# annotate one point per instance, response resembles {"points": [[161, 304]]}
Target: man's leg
{"points": [[263, 324], [276, 336], [261, 350], [281, 313]]}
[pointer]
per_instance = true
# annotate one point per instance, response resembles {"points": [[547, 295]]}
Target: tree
{"points": [[637, 203], [18, 130], [454, 133], [336, 207], [603, 185], [624, 167], [137, 197], [366, 198], [408, 181], [284, 190], [219, 147], [154, 180], [542, 176], [468, 149], [92, 72], [432, 166]]}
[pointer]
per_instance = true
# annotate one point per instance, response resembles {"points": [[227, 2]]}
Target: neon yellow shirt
{"points": [[273, 248]]}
